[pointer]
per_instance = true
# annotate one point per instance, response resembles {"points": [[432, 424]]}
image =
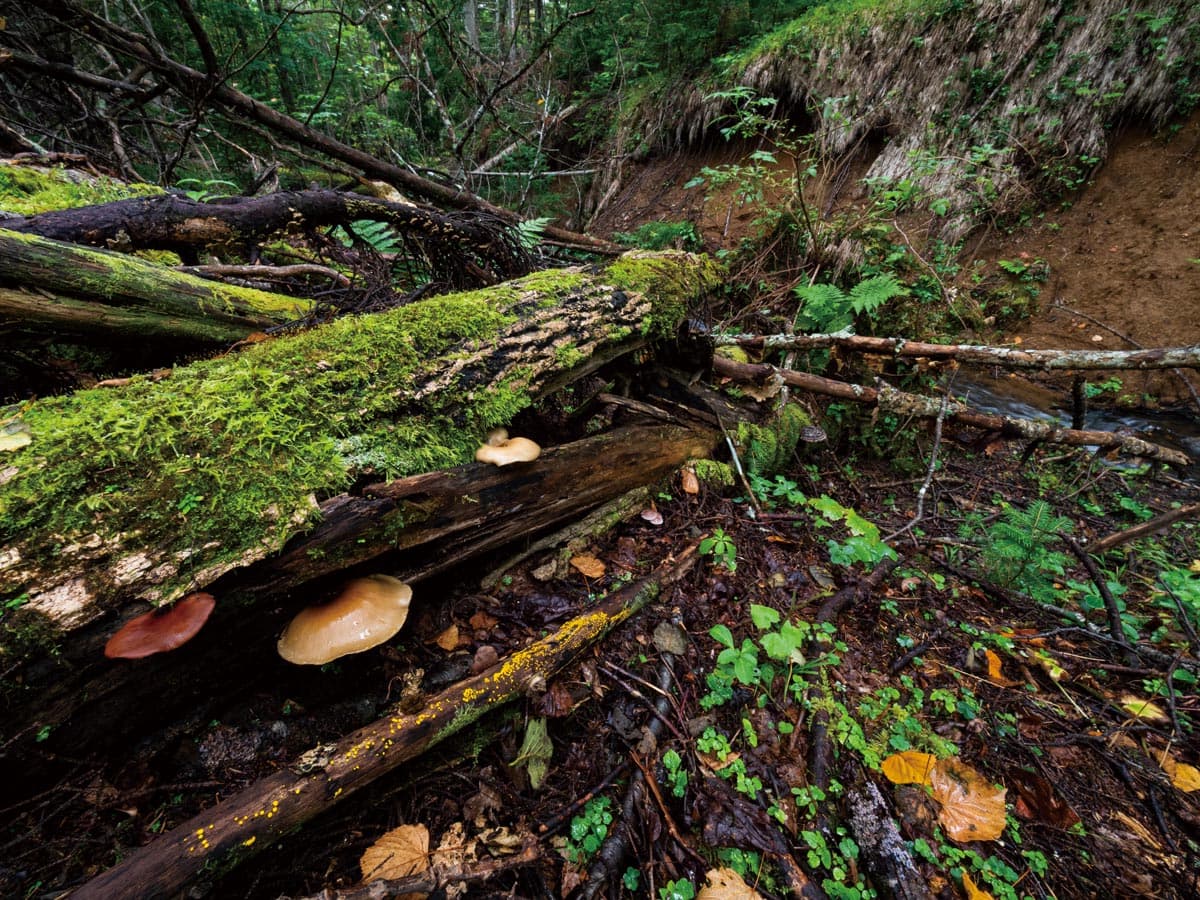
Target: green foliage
{"points": [[678, 889], [828, 309], [377, 235], [589, 829], [864, 544], [677, 776], [721, 548], [661, 236], [1018, 549], [529, 231]]}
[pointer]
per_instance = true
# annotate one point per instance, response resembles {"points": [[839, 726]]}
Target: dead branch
{"points": [[193, 83], [905, 404], [248, 822], [891, 866], [1153, 526], [171, 222], [1006, 357], [266, 273]]}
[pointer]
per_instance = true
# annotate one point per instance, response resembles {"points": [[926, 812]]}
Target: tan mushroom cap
{"points": [[500, 449], [366, 613]]}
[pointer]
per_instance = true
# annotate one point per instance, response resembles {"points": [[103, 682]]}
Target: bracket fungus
{"points": [[161, 629], [500, 449], [366, 613]]}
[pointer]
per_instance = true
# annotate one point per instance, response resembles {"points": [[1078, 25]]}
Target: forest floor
{"points": [[956, 652]]}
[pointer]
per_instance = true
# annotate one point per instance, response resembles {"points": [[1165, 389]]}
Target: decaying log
{"points": [[905, 404], [172, 222], [1005, 357], [149, 490], [243, 825], [886, 858], [81, 289], [90, 702]]}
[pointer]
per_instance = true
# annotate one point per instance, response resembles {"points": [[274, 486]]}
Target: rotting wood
{"points": [[415, 387], [90, 703], [1005, 357], [886, 858], [905, 404], [245, 824], [71, 287]]}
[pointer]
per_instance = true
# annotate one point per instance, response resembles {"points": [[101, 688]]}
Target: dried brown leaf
{"points": [[448, 639], [401, 852], [588, 566], [974, 893], [972, 809], [726, 884]]}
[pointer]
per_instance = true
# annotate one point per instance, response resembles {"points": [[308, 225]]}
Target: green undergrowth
{"points": [[228, 454], [27, 191]]}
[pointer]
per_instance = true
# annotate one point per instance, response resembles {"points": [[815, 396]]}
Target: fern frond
{"points": [[529, 232], [871, 293]]}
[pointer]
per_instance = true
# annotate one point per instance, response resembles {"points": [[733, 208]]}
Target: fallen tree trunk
{"points": [[905, 404], [81, 289], [245, 824], [462, 249], [150, 490], [1005, 357]]}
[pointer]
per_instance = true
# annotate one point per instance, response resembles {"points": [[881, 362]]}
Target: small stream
{"points": [[1018, 398]]}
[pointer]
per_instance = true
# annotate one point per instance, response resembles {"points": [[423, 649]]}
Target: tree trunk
{"points": [[80, 289], [151, 490]]}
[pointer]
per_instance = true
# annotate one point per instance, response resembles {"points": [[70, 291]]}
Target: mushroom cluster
{"points": [[366, 613]]}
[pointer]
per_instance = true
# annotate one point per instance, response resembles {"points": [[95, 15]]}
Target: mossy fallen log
{"points": [[152, 489], [84, 290]]}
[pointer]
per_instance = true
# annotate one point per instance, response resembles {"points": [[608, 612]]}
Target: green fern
{"points": [[378, 235], [529, 232], [827, 308], [1018, 550]]}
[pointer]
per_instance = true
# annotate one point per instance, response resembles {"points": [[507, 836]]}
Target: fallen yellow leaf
{"points": [[401, 852], [1140, 708], [995, 669], [726, 884], [974, 893], [972, 809], [909, 767], [588, 566], [1183, 776]]}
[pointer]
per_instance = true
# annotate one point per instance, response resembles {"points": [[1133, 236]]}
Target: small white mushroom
{"points": [[500, 449]]}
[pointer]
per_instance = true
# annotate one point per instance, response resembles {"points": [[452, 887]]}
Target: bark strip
{"points": [[241, 826]]}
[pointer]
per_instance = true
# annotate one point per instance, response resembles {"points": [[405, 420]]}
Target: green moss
{"points": [[768, 449], [568, 356], [713, 473], [27, 191], [227, 454], [668, 284]]}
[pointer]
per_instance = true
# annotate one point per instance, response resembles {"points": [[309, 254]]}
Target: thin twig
{"points": [[924, 489]]}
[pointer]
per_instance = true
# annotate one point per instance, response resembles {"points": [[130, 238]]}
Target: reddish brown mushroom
{"points": [[162, 629]]}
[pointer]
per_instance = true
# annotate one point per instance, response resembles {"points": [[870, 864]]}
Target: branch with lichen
{"points": [[246, 823]]}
